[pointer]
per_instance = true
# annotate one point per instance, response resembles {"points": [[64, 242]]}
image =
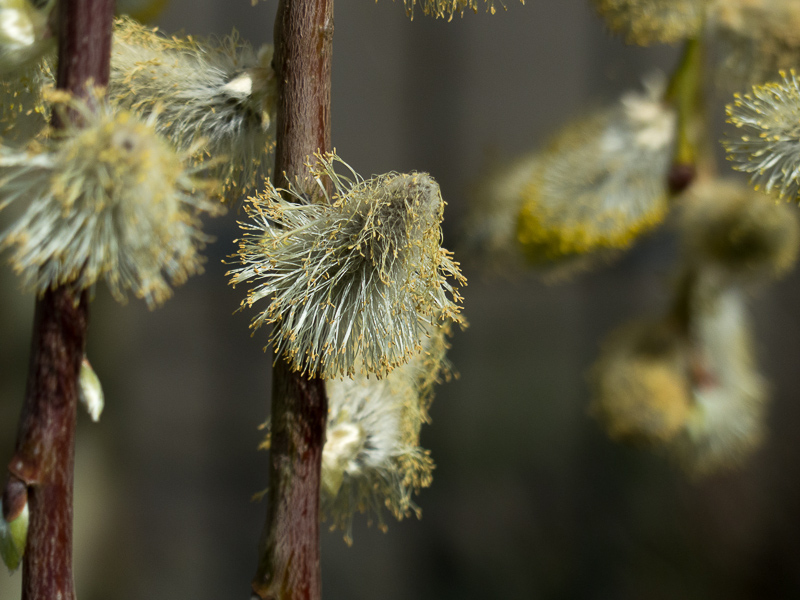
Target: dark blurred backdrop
{"points": [[529, 499]]}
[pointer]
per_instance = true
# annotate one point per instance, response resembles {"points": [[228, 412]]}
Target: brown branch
{"points": [[41, 470], [289, 566], [46, 444]]}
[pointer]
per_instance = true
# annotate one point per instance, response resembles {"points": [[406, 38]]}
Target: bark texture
{"points": [[289, 566]]}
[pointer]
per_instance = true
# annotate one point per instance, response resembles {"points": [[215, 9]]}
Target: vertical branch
{"points": [[289, 566], [46, 443], [41, 469]]}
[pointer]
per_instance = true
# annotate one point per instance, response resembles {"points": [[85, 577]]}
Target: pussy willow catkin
{"points": [[216, 97], [353, 281], [110, 200]]}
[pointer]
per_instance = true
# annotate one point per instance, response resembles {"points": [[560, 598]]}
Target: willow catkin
{"points": [[109, 200], [353, 281]]}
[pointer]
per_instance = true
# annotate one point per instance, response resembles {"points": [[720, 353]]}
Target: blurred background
{"points": [[530, 499]]}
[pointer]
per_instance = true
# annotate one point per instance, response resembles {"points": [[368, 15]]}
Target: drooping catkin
{"points": [[689, 383], [726, 423], [108, 200], [352, 281], [372, 459], [695, 394], [742, 234]]}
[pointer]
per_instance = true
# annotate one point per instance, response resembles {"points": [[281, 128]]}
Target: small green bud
{"points": [[12, 538]]}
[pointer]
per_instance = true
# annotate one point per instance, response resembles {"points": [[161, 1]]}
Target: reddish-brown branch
{"points": [[46, 441], [41, 469], [289, 566], [84, 44]]}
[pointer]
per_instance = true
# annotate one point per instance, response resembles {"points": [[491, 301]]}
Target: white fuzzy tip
{"points": [[343, 443], [90, 391], [240, 86], [16, 26]]}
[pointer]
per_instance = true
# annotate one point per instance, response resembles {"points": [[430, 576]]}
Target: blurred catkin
{"points": [[646, 22], [640, 391], [601, 183], [108, 200], [26, 34], [755, 39], [742, 234]]}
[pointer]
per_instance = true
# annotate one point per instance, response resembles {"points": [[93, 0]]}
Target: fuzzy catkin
{"points": [[640, 391], [110, 200], [372, 459], [602, 182], [352, 281], [216, 97], [755, 38], [726, 423], [743, 234], [383, 464], [767, 144], [695, 394]]}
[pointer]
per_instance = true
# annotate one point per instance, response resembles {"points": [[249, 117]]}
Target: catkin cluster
{"points": [[753, 38], [109, 199], [688, 383], [354, 281], [212, 98]]}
